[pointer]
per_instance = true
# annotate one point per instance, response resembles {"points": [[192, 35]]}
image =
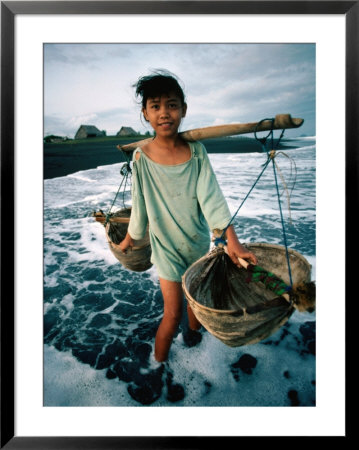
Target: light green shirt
{"points": [[180, 203]]}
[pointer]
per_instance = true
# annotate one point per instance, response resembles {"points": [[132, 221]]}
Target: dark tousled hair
{"points": [[160, 82]]}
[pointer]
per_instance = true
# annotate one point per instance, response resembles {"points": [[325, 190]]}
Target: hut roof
{"points": [[126, 131], [87, 131], [90, 129]]}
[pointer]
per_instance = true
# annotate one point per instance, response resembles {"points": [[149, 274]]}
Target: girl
{"points": [[176, 193]]}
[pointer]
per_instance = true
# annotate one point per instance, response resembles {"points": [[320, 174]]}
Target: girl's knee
{"points": [[172, 318]]}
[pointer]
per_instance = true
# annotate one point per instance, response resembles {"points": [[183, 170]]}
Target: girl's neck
{"points": [[168, 151], [170, 143]]}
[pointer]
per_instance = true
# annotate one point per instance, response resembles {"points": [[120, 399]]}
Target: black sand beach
{"points": [[61, 159]]}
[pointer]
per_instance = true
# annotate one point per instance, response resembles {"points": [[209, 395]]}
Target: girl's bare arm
{"points": [[236, 249], [123, 245]]}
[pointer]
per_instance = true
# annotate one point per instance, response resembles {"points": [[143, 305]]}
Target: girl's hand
{"points": [[123, 245], [235, 252], [236, 249], [126, 243]]}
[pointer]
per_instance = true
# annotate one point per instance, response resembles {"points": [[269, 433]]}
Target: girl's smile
{"points": [[165, 114]]}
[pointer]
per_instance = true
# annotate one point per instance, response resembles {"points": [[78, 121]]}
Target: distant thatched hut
{"points": [[88, 131], [127, 131], [54, 139]]}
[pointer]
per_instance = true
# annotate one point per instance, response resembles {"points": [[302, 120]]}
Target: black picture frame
{"points": [[8, 12]]}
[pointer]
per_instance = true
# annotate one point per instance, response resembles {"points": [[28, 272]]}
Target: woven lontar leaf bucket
{"points": [[136, 259], [231, 308]]}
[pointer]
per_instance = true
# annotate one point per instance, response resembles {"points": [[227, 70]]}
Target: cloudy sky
{"points": [[91, 84]]}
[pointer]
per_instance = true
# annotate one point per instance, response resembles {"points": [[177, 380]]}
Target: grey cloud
{"points": [[229, 82]]}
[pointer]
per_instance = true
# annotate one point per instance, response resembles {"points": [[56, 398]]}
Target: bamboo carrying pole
{"points": [[281, 122]]}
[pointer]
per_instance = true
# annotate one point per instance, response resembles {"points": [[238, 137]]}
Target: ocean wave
{"points": [[100, 319]]}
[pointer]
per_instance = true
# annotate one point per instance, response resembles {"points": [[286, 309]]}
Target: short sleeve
{"points": [[210, 196]]}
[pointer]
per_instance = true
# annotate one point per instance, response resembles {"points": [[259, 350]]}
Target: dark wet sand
{"points": [[63, 159]]}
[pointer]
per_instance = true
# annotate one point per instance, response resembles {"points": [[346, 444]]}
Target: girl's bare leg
{"points": [[173, 303], [192, 320]]}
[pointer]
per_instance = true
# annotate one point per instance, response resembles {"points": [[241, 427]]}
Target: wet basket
{"points": [[231, 308], [137, 259]]}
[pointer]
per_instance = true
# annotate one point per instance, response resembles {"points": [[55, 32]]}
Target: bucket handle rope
{"points": [[271, 156], [126, 173]]}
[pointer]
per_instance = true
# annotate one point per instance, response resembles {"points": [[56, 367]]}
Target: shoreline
{"points": [[61, 159]]}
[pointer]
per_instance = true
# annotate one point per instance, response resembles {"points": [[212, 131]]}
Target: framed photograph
{"points": [[73, 339]]}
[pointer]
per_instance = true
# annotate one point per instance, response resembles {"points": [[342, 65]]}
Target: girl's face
{"points": [[165, 114]]}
